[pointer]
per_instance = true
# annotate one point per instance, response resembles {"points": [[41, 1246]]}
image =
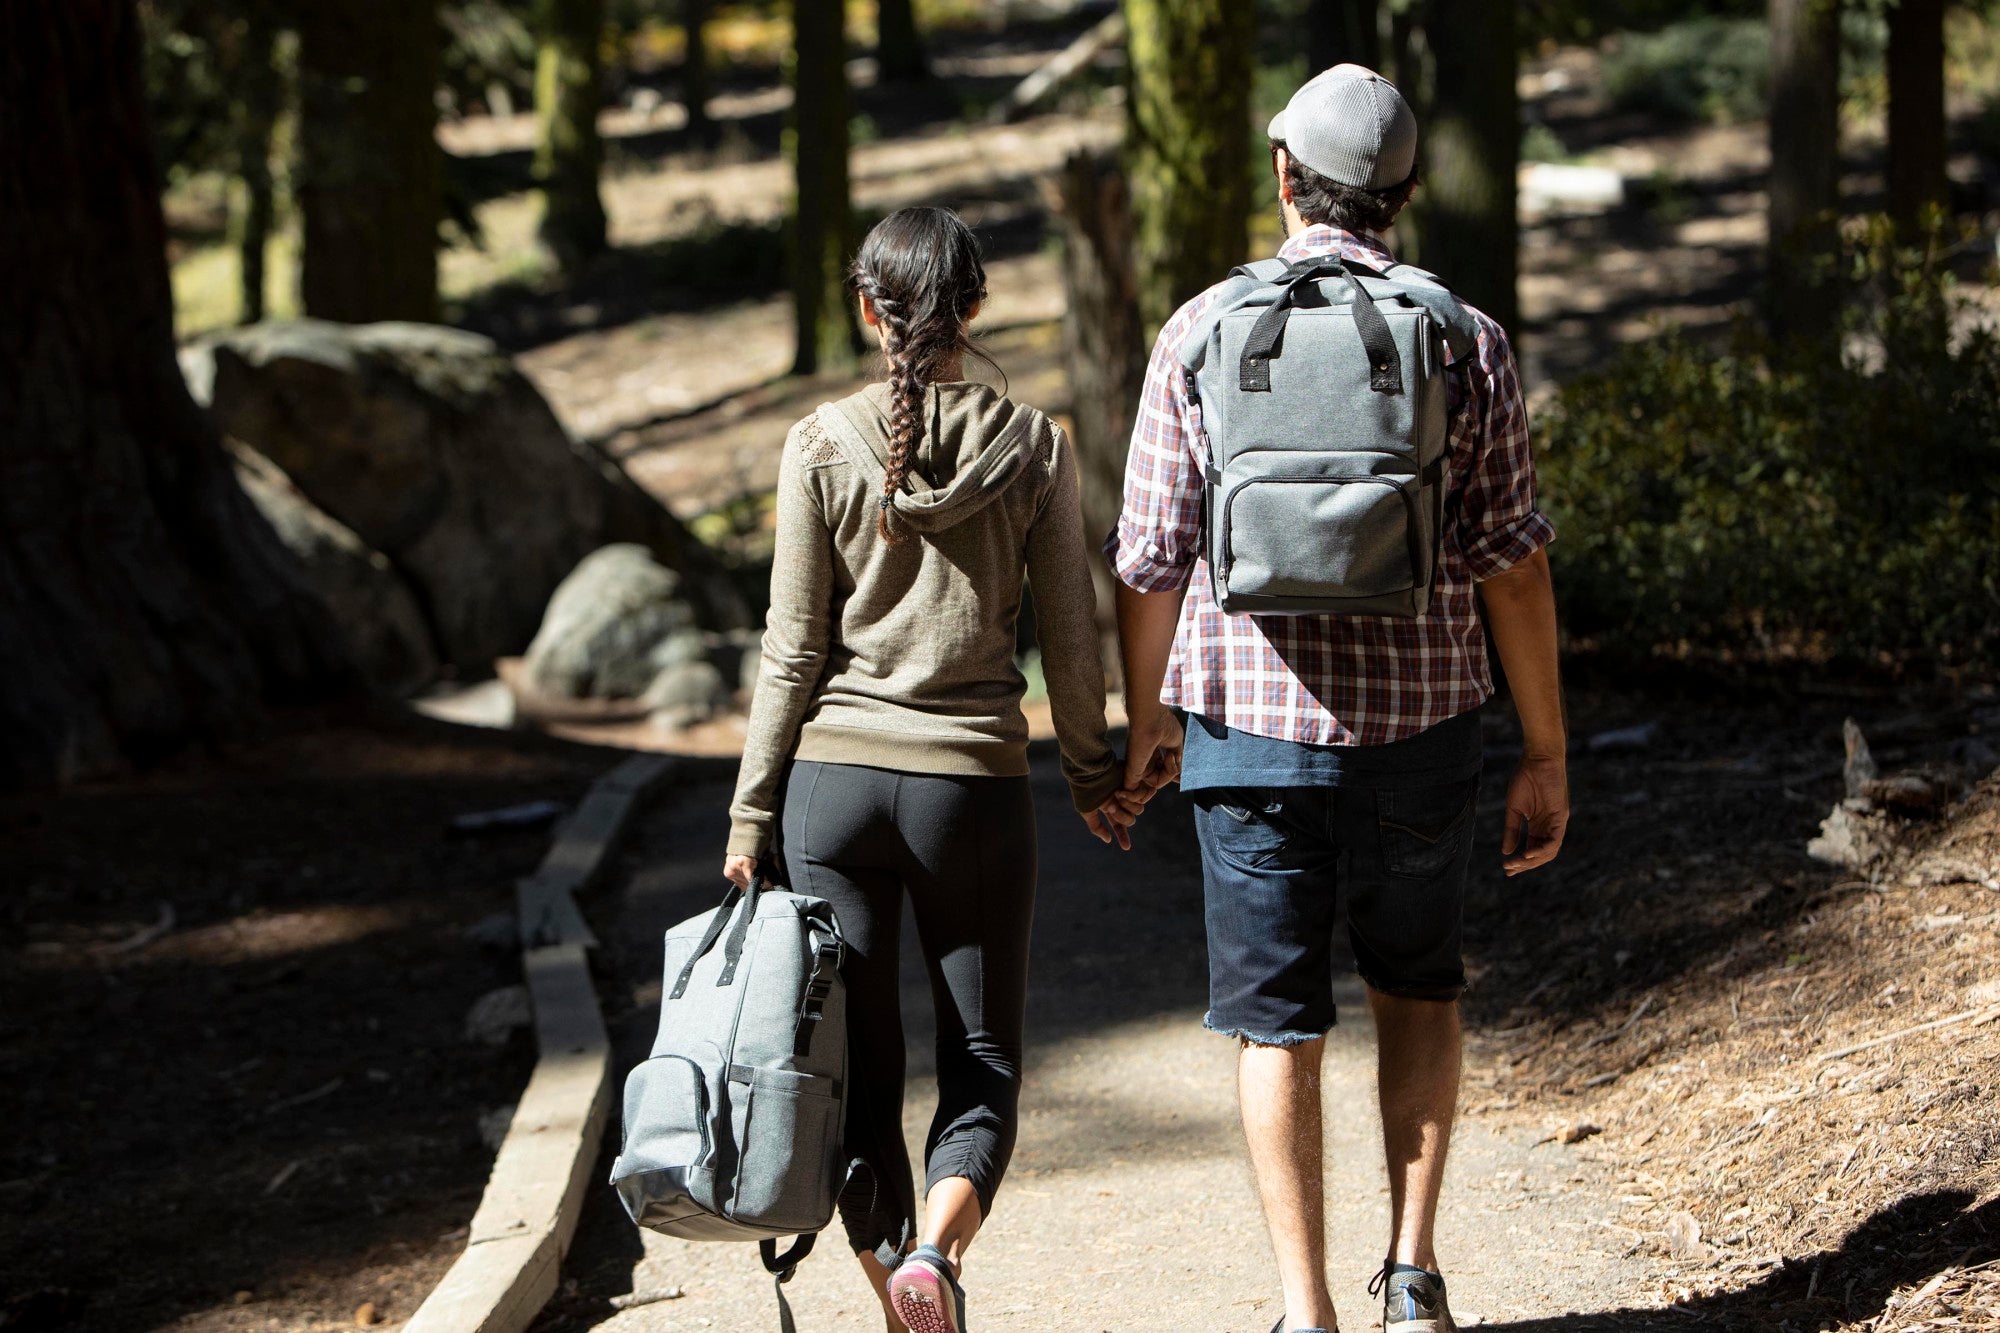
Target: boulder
{"points": [[385, 631], [615, 623], [435, 451], [691, 693]]}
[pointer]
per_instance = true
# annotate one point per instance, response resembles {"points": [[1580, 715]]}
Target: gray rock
{"points": [[1851, 838], [608, 629], [495, 1015], [438, 453], [688, 694], [682, 647], [384, 628]]}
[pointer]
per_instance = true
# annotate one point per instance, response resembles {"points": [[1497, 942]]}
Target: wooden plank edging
{"points": [[534, 1196]]}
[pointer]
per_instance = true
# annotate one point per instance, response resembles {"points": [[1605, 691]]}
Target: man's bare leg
{"points": [[1417, 1063], [1279, 1088]]}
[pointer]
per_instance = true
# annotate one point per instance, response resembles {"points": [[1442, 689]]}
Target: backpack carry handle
{"points": [[716, 925], [732, 954], [1385, 363]]}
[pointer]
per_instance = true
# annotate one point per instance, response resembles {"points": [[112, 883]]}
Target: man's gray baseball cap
{"points": [[1351, 126]]}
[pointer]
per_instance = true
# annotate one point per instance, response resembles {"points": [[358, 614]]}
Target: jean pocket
{"points": [[1241, 824], [1425, 831]]}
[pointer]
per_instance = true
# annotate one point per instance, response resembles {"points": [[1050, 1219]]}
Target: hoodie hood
{"points": [[975, 444]]}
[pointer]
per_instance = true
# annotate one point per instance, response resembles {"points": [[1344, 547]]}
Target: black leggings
{"points": [[964, 850]]}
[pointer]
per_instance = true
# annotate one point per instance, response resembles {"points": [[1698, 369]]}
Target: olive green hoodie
{"points": [[900, 655]]}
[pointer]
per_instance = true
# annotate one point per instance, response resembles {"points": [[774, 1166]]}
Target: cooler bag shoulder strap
{"points": [[781, 1267], [1461, 330], [1245, 283]]}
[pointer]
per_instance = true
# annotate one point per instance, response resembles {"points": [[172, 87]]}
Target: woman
{"points": [[886, 739]]}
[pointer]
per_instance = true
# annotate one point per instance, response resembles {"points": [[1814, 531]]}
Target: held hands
{"points": [[1537, 813], [1152, 760], [740, 871]]}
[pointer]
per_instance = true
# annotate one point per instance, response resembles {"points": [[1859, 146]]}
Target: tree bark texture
{"points": [[260, 102], [1468, 228], [143, 602], [370, 170], [1805, 166], [695, 83], [899, 47], [1188, 146], [1917, 133], [1343, 32], [822, 216], [569, 155]]}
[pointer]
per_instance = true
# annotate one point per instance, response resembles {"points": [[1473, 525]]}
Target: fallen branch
{"points": [[1973, 1016], [1623, 1028], [1061, 67]]}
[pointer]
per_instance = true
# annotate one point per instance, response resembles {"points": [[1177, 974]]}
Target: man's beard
{"points": [[1284, 221]]}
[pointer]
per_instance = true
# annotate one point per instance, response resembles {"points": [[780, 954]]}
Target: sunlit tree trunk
{"points": [[1916, 110], [1343, 32], [1188, 146], [143, 602], [822, 217], [1468, 231], [899, 46], [569, 155], [370, 170], [1805, 166], [695, 85]]}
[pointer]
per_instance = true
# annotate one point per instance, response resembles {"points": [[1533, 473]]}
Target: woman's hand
{"points": [[740, 871]]}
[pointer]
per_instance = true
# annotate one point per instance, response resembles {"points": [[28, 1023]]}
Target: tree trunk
{"points": [[1468, 230], [695, 86], [1187, 146], [370, 171], [1342, 32], [261, 98], [569, 92], [143, 602], [822, 217], [1103, 345], [1805, 166], [1916, 111], [899, 48]]}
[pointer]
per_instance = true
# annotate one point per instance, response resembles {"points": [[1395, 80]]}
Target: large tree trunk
{"points": [[261, 98], [899, 47], [142, 600], [1916, 111], [370, 170], [1342, 32], [822, 218], [1103, 345], [569, 92], [1805, 166], [1468, 230], [695, 86], [1187, 142]]}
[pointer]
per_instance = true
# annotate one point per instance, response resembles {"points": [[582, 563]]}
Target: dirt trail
{"points": [[1129, 1203]]}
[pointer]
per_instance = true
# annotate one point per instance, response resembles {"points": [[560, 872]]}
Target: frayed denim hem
{"points": [[1265, 1038]]}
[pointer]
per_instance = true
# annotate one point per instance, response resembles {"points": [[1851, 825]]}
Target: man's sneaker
{"points": [[1412, 1300], [925, 1295]]}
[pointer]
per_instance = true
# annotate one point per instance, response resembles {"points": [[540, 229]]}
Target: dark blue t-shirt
{"points": [[1220, 756]]}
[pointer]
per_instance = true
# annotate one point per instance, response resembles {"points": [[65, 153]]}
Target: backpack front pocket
{"points": [[1320, 536], [666, 1167], [787, 1126]]}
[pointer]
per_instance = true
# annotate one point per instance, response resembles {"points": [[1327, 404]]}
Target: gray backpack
{"points": [[732, 1128], [1321, 388]]}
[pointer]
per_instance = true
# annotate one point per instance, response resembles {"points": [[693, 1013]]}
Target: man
{"points": [[1340, 755]]}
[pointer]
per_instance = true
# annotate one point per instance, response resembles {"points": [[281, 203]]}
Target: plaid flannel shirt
{"points": [[1332, 680]]}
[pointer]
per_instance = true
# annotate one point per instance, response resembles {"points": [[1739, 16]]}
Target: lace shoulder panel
{"points": [[816, 448]]}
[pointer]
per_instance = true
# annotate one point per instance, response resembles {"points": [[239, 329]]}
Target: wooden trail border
{"points": [[534, 1196]]}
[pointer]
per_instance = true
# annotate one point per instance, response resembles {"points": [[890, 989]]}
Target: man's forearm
{"points": [[1147, 623], [1521, 615]]}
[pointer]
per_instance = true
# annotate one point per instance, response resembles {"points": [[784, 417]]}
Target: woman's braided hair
{"points": [[920, 270]]}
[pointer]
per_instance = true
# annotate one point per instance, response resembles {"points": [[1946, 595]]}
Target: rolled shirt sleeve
{"points": [[1158, 537], [1499, 524]]}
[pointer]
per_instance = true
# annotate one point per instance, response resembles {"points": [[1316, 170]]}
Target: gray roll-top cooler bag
{"points": [[732, 1127], [1322, 394]]}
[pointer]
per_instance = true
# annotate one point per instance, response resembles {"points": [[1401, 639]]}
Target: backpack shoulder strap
{"points": [[1243, 284], [1461, 330]]}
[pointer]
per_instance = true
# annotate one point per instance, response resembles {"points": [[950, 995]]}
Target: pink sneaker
{"points": [[925, 1295]]}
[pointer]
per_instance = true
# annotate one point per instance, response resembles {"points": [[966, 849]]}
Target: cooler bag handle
{"points": [[1385, 363], [716, 925]]}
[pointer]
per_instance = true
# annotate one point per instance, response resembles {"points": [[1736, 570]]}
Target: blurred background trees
{"points": [[569, 155], [823, 239]]}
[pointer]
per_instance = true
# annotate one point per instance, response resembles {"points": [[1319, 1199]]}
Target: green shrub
{"points": [[1703, 69], [1743, 506]]}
